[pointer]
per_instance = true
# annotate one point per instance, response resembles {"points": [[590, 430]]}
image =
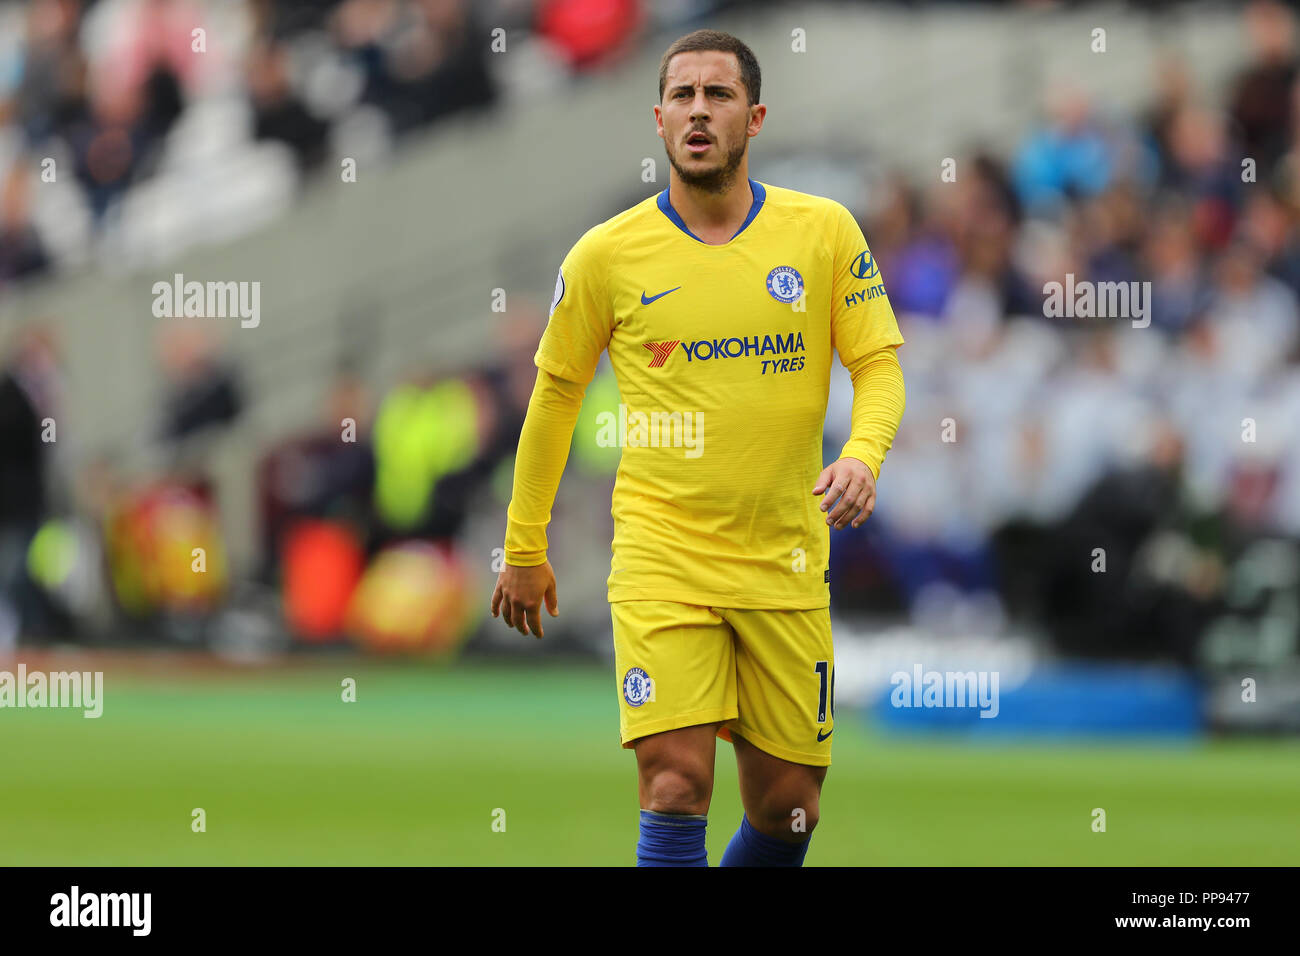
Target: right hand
{"points": [[519, 593]]}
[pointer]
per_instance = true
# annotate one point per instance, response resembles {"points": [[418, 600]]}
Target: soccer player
{"points": [[720, 301]]}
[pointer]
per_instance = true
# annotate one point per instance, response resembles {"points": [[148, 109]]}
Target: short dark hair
{"points": [[709, 40]]}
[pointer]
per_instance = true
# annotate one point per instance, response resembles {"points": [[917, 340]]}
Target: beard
{"points": [[716, 180]]}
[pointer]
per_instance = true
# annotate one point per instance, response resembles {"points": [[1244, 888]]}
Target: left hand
{"points": [[850, 492]]}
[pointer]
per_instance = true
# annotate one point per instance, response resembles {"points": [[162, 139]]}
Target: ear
{"points": [[756, 116], [659, 122]]}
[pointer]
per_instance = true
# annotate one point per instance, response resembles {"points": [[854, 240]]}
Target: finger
{"points": [[836, 491], [824, 479], [852, 503], [865, 511], [868, 506], [849, 502], [553, 601], [833, 491], [535, 621], [852, 511], [507, 611], [521, 619], [496, 599]]}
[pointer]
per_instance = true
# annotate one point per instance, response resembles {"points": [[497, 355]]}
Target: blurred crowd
{"points": [[141, 106], [360, 517], [1110, 478]]}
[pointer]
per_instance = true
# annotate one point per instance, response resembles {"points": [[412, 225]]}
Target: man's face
{"points": [[705, 118]]}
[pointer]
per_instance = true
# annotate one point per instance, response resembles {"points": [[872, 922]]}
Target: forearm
{"points": [[539, 462], [878, 400]]}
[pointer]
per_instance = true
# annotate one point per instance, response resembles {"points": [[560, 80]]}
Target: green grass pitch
{"points": [[413, 771]]}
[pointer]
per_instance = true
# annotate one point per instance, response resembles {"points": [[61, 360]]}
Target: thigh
{"points": [[785, 683], [675, 666]]}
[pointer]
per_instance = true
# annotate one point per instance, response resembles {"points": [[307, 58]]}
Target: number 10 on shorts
{"points": [[822, 668]]}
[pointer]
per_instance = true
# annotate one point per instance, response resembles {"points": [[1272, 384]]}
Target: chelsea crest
{"points": [[785, 284], [637, 686]]}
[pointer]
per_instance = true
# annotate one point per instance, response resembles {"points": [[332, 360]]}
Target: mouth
{"points": [[698, 142]]}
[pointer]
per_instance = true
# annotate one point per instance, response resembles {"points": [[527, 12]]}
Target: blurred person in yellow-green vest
{"points": [[423, 432]]}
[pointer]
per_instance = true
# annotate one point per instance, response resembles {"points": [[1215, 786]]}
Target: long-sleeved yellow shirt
{"points": [[722, 355]]}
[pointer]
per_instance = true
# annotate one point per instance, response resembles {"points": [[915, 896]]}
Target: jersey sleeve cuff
{"points": [[525, 559], [525, 542], [863, 452]]}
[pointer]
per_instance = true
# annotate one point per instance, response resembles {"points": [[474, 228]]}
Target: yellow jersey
{"points": [[723, 356]]}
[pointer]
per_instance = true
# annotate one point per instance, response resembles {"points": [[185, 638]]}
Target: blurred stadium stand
{"points": [[476, 171]]}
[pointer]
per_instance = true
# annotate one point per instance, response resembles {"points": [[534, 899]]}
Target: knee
{"points": [[790, 813], [678, 790], [794, 823], [803, 819]]}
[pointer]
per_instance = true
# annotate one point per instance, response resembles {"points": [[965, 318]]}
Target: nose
{"points": [[700, 108]]}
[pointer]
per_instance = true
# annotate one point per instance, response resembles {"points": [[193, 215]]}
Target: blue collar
{"points": [[760, 194]]}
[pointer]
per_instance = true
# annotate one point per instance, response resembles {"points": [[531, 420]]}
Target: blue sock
{"points": [[751, 848], [671, 839]]}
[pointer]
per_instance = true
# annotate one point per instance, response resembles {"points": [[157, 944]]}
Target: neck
{"points": [[709, 214]]}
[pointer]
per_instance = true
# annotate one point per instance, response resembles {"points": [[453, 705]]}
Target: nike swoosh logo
{"points": [[821, 736], [645, 301]]}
